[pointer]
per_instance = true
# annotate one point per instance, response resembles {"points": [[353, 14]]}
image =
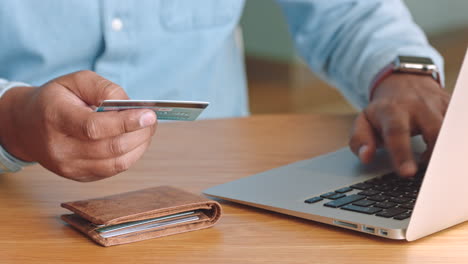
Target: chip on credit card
{"points": [[165, 109]]}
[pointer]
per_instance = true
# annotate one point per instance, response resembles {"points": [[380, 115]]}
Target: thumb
{"points": [[363, 141], [91, 88]]}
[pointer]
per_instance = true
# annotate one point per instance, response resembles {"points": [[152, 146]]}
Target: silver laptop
{"points": [[337, 189]]}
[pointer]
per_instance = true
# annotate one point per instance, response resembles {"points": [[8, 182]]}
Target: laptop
{"points": [[337, 189]]}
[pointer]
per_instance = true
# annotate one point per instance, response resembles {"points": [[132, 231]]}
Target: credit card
{"points": [[153, 226], [165, 109], [106, 229], [142, 225]]}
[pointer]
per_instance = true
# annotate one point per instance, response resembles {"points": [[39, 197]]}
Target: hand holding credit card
{"points": [[164, 109]]}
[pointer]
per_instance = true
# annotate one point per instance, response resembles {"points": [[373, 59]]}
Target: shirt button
{"points": [[117, 24]]}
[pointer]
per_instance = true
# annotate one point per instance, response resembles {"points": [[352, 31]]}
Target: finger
{"points": [[91, 87], [99, 169], [83, 123], [444, 105], [363, 140], [396, 133], [114, 146], [80, 121], [429, 124]]}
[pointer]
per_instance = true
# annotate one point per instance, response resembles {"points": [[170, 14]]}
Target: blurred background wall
{"points": [[280, 83]]}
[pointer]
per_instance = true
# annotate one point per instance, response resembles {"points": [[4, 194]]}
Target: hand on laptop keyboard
{"points": [[402, 105]]}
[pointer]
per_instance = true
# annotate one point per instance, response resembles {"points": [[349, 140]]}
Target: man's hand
{"points": [[56, 126], [403, 105]]}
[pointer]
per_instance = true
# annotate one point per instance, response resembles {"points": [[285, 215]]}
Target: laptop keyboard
{"points": [[388, 196]]}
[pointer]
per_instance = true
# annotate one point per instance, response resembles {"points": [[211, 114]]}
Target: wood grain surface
{"points": [[195, 156]]}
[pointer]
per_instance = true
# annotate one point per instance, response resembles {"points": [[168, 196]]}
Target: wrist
{"points": [[13, 103], [400, 85], [410, 65]]}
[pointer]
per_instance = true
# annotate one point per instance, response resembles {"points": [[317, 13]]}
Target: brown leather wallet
{"points": [[159, 204]]}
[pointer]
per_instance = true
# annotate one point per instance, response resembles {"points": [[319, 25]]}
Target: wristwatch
{"points": [[418, 65], [407, 64]]}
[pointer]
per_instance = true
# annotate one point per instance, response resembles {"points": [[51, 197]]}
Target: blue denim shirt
{"points": [[188, 50]]}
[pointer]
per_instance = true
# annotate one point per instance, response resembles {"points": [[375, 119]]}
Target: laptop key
{"points": [[411, 195], [384, 188], [385, 205], [393, 193], [345, 200], [328, 194], [336, 196], [369, 192], [399, 200], [364, 203], [313, 200], [344, 190], [402, 216], [361, 209], [409, 206], [361, 186], [407, 189], [391, 212], [378, 198]]}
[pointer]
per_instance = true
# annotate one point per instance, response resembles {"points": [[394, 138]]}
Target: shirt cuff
{"points": [[5, 85], [9, 163]]}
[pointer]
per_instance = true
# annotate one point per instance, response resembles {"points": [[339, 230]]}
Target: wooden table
{"points": [[195, 156]]}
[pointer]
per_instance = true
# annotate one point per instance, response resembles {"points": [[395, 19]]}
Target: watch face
{"points": [[420, 65], [415, 60]]}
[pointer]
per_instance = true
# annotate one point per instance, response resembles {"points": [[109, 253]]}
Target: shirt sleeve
{"points": [[348, 42], [5, 85], [8, 163]]}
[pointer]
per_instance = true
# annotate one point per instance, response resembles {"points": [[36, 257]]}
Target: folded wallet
{"points": [[91, 216]]}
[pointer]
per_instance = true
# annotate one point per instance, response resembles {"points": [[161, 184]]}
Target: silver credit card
{"points": [[106, 229], [165, 109], [149, 224]]}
